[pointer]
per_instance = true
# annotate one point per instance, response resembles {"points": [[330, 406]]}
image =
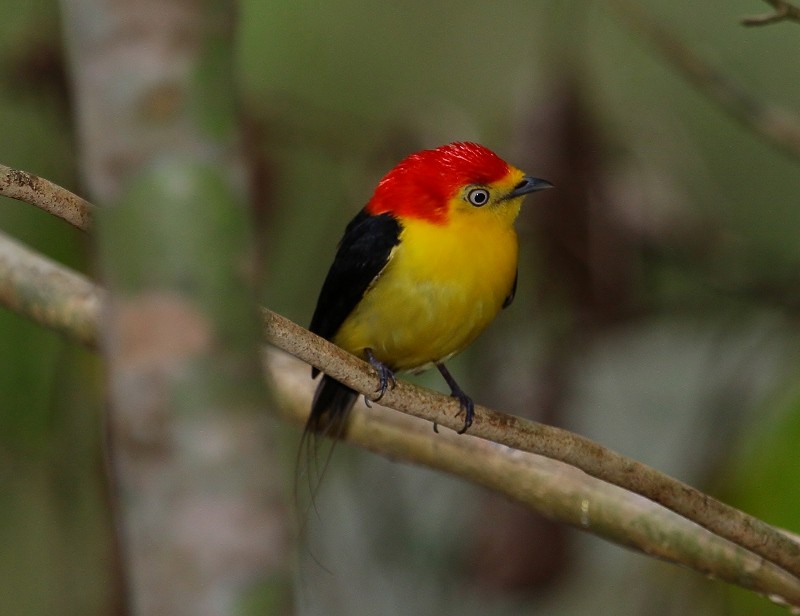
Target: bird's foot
{"points": [[464, 401], [386, 377], [467, 407]]}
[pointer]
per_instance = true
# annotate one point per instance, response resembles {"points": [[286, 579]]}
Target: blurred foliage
{"points": [[762, 479], [692, 217]]}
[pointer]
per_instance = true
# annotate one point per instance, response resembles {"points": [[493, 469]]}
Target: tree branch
{"points": [[775, 124], [557, 490], [48, 293], [553, 488], [783, 11], [548, 441], [45, 195], [33, 289]]}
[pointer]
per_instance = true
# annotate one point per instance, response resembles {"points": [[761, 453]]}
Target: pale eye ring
{"points": [[478, 197]]}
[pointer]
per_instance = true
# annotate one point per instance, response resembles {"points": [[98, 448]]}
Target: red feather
{"points": [[421, 185]]}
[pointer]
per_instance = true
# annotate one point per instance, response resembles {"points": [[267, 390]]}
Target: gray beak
{"points": [[528, 185]]}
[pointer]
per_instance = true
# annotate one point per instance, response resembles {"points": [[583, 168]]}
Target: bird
{"points": [[421, 271]]}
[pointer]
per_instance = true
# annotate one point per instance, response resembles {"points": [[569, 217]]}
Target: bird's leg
{"points": [[385, 376], [466, 403]]}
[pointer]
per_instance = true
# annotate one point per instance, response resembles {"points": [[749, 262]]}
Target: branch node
{"points": [[783, 11]]}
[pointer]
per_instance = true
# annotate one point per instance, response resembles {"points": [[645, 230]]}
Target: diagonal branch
{"points": [[555, 489], [49, 293], [45, 195], [783, 11], [548, 441]]}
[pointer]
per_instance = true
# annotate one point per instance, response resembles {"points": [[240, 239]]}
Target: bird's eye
{"points": [[478, 197]]}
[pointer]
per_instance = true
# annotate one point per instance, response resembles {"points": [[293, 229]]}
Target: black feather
{"points": [[330, 408], [329, 412], [510, 298], [363, 253]]}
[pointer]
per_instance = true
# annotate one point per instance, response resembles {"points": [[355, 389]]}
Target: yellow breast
{"points": [[443, 285]]}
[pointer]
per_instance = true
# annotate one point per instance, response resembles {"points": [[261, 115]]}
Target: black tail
{"points": [[330, 408], [329, 412]]}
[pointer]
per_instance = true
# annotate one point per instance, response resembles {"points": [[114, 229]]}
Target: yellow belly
{"points": [[443, 285]]}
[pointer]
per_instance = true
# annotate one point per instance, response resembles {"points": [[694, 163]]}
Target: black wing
{"points": [[507, 301], [363, 253]]}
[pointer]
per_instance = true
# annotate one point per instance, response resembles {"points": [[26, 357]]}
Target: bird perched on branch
{"points": [[421, 270]]}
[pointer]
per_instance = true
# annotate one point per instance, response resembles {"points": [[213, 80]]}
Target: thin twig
{"points": [[783, 11], [777, 125], [548, 441], [45, 195]]}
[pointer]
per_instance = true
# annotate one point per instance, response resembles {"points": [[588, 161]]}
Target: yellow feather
{"points": [[443, 285]]}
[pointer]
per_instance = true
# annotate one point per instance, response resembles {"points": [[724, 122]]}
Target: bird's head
{"points": [[458, 179]]}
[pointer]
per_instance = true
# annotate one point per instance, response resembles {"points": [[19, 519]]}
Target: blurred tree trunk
{"points": [[196, 489]]}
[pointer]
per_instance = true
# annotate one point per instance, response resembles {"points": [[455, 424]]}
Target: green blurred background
{"points": [[657, 311]]}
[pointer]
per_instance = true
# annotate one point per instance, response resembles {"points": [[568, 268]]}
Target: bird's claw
{"points": [[468, 408], [386, 378]]}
